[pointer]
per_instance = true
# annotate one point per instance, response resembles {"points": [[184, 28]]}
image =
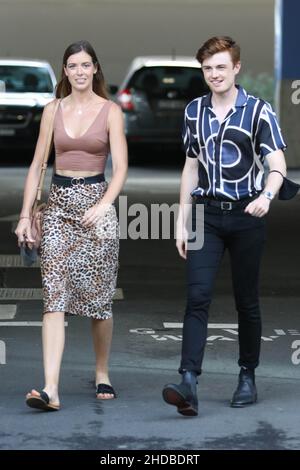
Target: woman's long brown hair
{"points": [[63, 88]]}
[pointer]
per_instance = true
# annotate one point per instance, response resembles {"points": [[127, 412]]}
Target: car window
{"points": [[158, 82], [25, 79]]}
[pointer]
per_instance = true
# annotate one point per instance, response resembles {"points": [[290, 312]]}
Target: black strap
{"points": [[105, 388], [277, 171], [44, 396]]}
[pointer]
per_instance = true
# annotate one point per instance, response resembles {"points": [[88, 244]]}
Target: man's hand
{"points": [[259, 207], [181, 241]]}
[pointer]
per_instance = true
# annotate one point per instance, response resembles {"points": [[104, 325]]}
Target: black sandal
{"points": [[42, 402], [105, 388]]}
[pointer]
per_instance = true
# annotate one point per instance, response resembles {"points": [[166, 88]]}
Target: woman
{"points": [[79, 247]]}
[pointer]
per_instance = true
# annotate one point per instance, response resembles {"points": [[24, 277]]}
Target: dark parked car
{"points": [[26, 86], [153, 96]]}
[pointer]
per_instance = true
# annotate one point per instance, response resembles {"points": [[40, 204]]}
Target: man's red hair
{"points": [[219, 44]]}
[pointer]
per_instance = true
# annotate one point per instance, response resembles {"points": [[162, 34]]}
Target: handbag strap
{"points": [[45, 157]]}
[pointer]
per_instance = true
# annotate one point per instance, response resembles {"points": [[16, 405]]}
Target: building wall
{"points": [[123, 29], [288, 76]]}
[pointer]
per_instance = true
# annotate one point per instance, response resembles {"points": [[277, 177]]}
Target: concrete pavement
{"points": [[146, 350]]}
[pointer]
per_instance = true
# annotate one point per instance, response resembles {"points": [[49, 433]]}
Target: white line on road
{"points": [[23, 323], [280, 332], [15, 261], [7, 311], [2, 352], [219, 337], [9, 218], [36, 294], [229, 330], [210, 325]]}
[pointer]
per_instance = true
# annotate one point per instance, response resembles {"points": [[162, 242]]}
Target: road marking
{"points": [[7, 312], [20, 294], [219, 337], [119, 295], [2, 352], [9, 218], [23, 323], [233, 332], [280, 332], [36, 294], [210, 325], [175, 338], [228, 327], [143, 331], [15, 261]]}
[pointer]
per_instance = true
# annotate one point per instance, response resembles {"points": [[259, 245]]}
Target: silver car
{"points": [[26, 86], [153, 96]]}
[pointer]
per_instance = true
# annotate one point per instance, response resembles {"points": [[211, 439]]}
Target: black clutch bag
{"points": [[289, 188], [29, 256]]}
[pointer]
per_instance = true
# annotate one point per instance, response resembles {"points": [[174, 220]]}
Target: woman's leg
{"points": [[102, 336], [53, 335]]}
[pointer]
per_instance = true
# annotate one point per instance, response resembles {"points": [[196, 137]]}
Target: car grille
{"points": [[16, 117]]}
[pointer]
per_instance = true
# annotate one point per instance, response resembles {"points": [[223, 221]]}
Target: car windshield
{"points": [[25, 79], [180, 82]]}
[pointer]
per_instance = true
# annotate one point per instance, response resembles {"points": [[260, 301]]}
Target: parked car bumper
{"points": [[136, 134], [11, 138]]}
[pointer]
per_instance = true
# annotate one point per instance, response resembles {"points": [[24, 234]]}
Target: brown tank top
{"points": [[87, 152]]}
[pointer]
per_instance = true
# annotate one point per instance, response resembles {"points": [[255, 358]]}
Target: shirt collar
{"points": [[241, 99]]}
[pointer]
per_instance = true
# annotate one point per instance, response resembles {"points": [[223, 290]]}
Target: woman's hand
{"points": [[94, 214], [23, 232]]}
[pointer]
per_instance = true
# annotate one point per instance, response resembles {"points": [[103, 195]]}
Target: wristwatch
{"points": [[268, 194]]}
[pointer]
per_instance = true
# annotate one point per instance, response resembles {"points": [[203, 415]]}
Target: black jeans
{"points": [[244, 236]]}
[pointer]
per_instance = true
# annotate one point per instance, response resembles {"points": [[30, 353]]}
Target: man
{"points": [[227, 136]]}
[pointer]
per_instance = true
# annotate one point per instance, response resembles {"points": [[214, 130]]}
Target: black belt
{"points": [[224, 205], [68, 181]]}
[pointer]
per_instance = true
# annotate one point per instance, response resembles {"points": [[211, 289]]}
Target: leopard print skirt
{"points": [[79, 265]]}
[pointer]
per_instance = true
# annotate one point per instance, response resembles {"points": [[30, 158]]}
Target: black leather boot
{"points": [[245, 393], [184, 395]]}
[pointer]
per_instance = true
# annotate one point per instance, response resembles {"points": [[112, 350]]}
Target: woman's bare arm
{"points": [[33, 175]]}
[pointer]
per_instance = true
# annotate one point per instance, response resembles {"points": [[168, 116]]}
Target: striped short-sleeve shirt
{"points": [[231, 154]]}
